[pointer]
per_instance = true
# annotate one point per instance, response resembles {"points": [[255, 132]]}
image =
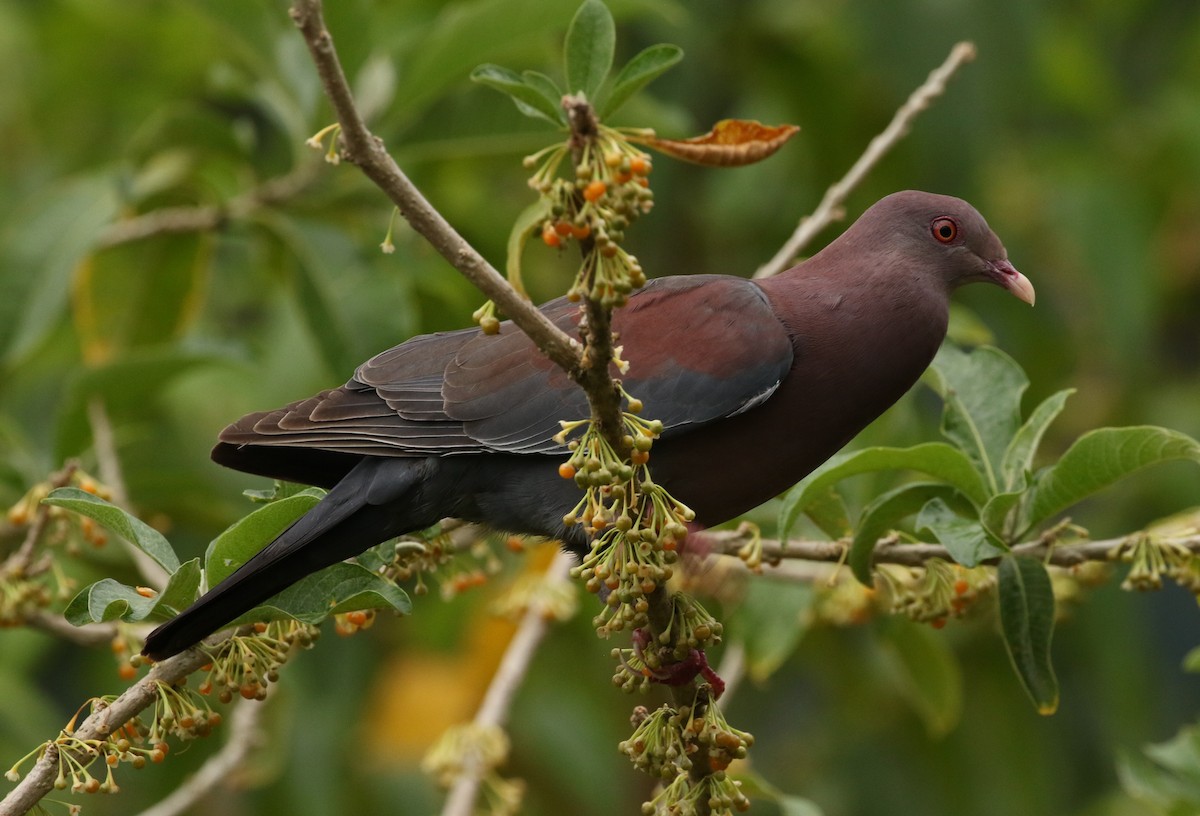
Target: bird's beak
{"points": [[1005, 274]]}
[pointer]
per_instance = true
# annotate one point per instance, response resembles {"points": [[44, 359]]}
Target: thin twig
{"points": [[93, 634], [830, 208], [245, 735], [179, 220], [364, 149], [18, 563], [493, 712]]}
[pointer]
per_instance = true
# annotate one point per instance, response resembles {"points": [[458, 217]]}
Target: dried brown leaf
{"points": [[731, 143]]}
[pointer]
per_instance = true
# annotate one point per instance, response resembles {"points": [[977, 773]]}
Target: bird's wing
{"points": [[701, 348]]}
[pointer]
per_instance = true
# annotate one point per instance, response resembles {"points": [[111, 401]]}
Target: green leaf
{"points": [[588, 54], [883, 514], [998, 519], [965, 539], [1018, 458], [982, 394], [248, 535], [342, 587], [772, 619], [528, 223], [1101, 457], [110, 600], [936, 459], [42, 245], [1166, 774], [129, 527], [642, 69], [756, 786], [1191, 660], [931, 678], [1027, 622], [530, 99], [829, 513]]}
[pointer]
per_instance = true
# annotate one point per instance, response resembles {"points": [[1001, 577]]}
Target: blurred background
{"points": [[1076, 133]]}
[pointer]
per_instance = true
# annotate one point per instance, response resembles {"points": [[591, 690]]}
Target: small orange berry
{"points": [[937, 623], [126, 671], [146, 592], [563, 228], [639, 457], [961, 586], [515, 544], [581, 231], [623, 178], [639, 166], [566, 470], [595, 190], [550, 237]]}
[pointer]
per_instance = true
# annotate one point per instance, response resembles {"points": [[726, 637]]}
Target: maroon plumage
{"points": [[756, 383]]}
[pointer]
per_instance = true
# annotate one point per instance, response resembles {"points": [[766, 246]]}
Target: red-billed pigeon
{"points": [[756, 383]]}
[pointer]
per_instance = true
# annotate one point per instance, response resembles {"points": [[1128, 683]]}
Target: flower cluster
{"points": [[667, 742], [246, 664], [178, 712], [610, 190], [1151, 558], [454, 567], [478, 750], [934, 592]]}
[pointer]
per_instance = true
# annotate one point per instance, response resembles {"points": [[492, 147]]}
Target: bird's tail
{"points": [[343, 524]]}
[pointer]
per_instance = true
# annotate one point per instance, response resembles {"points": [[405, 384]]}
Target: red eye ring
{"points": [[944, 229]]}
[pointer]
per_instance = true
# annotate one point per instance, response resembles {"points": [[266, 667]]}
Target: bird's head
{"points": [[950, 238]]}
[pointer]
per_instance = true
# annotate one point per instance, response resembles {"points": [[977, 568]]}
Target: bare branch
{"points": [[179, 220], [364, 149], [493, 712], [830, 208]]}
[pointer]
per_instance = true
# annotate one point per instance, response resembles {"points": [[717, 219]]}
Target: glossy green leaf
{"points": [[1101, 457], [982, 393], [930, 675], [648, 65], [251, 533], [964, 538], [936, 459], [883, 514], [530, 99], [110, 600], [588, 55], [1027, 623], [113, 518], [1018, 458], [342, 587]]}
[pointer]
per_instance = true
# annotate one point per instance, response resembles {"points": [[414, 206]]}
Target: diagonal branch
{"points": [[830, 208], [364, 149]]}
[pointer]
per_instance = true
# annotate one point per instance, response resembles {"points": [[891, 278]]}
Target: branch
{"points": [[18, 564], [245, 735], [364, 149], [98, 725], [830, 208], [178, 220], [493, 712], [889, 551]]}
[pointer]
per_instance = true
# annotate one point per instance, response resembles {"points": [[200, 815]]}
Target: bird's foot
{"points": [[679, 673]]}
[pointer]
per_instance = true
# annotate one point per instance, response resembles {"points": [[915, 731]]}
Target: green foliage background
{"points": [[1077, 133]]}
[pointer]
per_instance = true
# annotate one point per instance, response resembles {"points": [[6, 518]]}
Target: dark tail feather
{"points": [[342, 525]]}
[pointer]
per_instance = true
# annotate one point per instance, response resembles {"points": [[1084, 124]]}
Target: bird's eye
{"points": [[944, 229]]}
